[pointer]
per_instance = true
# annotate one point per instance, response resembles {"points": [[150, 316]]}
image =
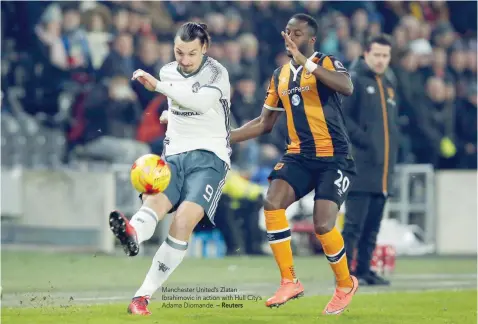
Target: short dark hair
{"points": [[311, 22], [382, 39], [190, 31]]}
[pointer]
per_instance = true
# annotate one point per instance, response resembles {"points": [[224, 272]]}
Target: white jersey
{"points": [[191, 129]]}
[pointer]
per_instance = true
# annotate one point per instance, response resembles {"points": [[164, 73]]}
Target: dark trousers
{"points": [[363, 215], [240, 227]]}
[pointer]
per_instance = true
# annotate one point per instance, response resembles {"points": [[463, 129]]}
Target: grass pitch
{"points": [[400, 308], [85, 288]]}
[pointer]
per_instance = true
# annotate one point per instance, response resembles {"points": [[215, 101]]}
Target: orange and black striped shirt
{"points": [[315, 122]]}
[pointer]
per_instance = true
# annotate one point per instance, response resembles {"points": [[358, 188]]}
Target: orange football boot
{"points": [[288, 290], [340, 300]]}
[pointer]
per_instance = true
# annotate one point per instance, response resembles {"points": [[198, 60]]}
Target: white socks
{"points": [[144, 222], [169, 256]]}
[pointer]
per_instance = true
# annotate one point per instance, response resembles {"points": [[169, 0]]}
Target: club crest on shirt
{"points": [[295, 100], [196, 87], [278, 166], [307, 74], [338, 65]]}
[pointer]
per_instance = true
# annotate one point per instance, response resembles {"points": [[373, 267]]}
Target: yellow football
{"points": [[150, 174]]}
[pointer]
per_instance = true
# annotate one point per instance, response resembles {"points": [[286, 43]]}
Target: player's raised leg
{"points": [[141, 227], [143, 223], [280, 196], [202, 189]]}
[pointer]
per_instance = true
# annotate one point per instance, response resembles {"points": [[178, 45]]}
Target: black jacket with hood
{"points": [[372, 122]]}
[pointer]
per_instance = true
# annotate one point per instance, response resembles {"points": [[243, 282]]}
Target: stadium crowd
{"points": [[74, 62]]}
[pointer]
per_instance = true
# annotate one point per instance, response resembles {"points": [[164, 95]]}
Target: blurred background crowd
{"points": [[66, 70]]}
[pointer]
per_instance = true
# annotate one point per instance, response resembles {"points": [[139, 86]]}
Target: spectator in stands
{"points": [[410, 91], [232, 60], [424, 51], [147, 59], [244, 104], [439, 66], [245, 101], [121, 59], [471, 62], [250, 60], [75, 41], [443, 35], [360, 25], [178, 10], [48, 32], [97, 22], [165, 52], [120, 20], [234, 23], [466, 129], [400, 38], [375, 26], [425, 31], [353, 50], [343, 35], [139, 22], [437, 112], [162, 23], [151, 130], [112, 115], [412, 27], [217, 23], [458, 64]]}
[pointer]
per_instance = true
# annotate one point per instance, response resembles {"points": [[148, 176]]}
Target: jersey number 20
{"points": [[342, 182]]}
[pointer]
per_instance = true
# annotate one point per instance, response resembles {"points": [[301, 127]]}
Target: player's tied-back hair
{"points": [[191, 31]]}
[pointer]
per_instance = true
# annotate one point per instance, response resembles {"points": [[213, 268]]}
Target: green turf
{"points": [[63, 272], [401, 308]]}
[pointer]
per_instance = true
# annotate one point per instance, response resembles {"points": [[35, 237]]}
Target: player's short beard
{"points": [[303, 48]]}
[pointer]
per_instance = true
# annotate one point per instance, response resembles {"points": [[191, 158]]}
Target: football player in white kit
{"points": [[196, 149]]}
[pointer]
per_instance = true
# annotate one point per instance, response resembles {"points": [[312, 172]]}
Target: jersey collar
{"points": [[295, 70], [310, 58]]}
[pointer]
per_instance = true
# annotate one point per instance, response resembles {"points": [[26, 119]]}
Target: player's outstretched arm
{"points": [[337, 81], [256, 127], [182, 92]]}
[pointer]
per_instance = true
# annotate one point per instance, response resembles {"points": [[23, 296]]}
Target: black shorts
{"points": [[330, 177]]}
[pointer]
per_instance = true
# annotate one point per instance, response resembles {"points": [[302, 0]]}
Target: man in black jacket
{"points": [[371, 120]]}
